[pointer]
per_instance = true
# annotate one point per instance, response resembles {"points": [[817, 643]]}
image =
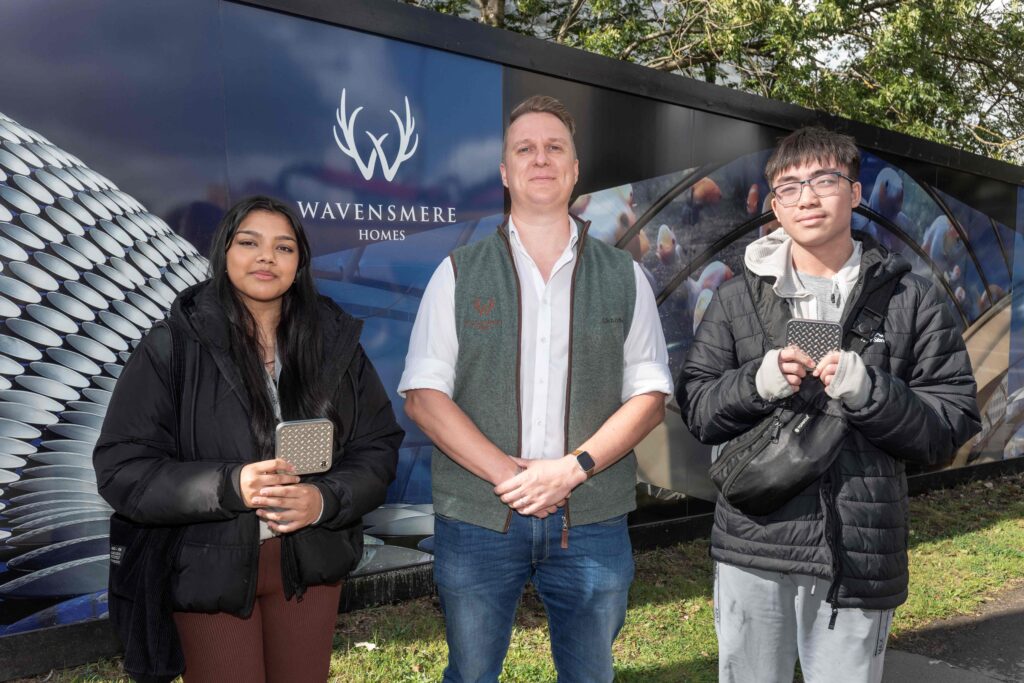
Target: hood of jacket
{"points": [[771, 256], [771, 277], [197, 312]]}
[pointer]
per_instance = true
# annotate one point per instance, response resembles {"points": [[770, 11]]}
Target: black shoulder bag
{"points": [[139, 598], [762, 469]]}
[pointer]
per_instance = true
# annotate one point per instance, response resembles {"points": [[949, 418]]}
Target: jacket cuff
{"points": [[233, 492], [770, 382], [851, 383], [330, 506]]}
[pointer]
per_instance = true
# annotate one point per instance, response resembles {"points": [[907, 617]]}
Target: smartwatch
{"points": [[584, 460]]}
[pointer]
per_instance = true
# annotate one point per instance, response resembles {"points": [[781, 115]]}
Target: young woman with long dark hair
{"points": [[256, 568]]}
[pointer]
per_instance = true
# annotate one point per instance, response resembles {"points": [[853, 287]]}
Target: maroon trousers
{"points": [[282, 641]]}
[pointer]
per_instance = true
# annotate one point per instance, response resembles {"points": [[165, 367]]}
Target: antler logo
{"points": [[347, 143], [483, 308]]}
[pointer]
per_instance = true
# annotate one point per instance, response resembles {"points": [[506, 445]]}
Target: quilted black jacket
{"points": [[850, 527], [140, 475]]}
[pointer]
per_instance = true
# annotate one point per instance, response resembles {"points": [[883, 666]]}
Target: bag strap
{"points": [[870, 316], [868, 320], [753, 306]]}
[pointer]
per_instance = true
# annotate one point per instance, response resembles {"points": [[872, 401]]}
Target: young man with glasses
{"points": [[818, 579]]}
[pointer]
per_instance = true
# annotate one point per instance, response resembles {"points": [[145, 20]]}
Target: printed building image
{"points": [[127, 129]]}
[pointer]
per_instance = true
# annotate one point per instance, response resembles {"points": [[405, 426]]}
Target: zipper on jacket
{"points": [[254, 568], [572, 316], [565, 526], [519, 353], [831, 526], [566, 522], [289, 572], [193, 440]]}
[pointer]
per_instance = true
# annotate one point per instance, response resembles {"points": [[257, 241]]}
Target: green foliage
{"points": [[945, 70]]}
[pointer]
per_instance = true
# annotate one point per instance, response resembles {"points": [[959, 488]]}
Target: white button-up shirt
{"points": [[545, 308]]}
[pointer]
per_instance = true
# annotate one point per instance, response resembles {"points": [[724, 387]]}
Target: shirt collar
{"points": [[574, 235]]}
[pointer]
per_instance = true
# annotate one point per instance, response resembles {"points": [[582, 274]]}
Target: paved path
{"points": [[980, 648], [904, 667]]}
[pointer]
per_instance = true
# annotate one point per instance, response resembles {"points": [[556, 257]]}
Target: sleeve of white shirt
{"points": [[433, 346], [645, 356]]}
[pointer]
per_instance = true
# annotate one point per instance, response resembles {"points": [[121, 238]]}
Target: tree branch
{"points": [[570, 16]]}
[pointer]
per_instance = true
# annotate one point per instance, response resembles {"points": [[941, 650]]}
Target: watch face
{"points": [[585, 461]]}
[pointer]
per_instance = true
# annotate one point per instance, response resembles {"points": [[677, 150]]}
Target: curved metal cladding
{"points": [[85, 271]]}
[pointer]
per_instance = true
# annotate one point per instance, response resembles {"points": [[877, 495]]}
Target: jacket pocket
{"points": [[213, 578], [325, 555]]}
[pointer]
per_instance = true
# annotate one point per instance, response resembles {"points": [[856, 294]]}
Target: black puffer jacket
{"points": [[139, 474], [851, 526]]}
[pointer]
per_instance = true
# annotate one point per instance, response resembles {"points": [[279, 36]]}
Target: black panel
{"points": [[721, 139], [996, 199], [426, 27]]}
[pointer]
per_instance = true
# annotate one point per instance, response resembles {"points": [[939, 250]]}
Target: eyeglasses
{"points": [[824, 185]]}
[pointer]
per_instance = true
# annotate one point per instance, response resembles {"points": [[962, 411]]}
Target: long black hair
{"points": [[299, 344]]}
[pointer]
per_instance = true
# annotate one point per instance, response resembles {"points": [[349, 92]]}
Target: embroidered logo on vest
{"points": [[484, 308]]}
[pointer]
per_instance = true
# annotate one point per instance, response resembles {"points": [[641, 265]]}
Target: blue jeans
{"points": [[480, 576]]}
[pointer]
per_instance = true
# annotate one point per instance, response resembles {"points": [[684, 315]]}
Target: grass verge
{"points": [[967, 544]]}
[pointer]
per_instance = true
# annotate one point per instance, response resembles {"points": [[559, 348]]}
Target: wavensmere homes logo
{"points": [[378, 221], [347, 141]]}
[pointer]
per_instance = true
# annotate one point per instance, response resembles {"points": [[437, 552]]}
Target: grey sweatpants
{"points": [[765, 620]]}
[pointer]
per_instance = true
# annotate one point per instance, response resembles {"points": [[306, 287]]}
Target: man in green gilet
{"points": [[537, 362]]}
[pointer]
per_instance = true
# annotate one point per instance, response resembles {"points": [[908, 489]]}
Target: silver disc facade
{"points": [[85, 271]]}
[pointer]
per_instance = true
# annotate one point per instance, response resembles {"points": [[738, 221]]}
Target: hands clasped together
{"points": [[796, 365], [274, 491], [539, 487], [843, 374]]}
